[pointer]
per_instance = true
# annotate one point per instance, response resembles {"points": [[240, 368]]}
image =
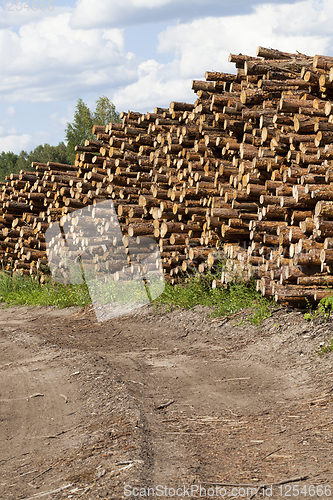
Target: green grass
{"points": [[196, 290], [223, 301], [323, 313], [25, 290], [324, 309], [326, 349]]}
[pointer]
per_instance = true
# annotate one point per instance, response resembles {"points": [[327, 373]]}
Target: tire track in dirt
{"points": [[37, 407], [249, 404]]}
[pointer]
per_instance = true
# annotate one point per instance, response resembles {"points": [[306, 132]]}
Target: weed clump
{"points": [[201, 289], [323, 311]]}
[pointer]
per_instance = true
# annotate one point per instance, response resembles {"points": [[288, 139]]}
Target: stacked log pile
{"points": [[248, 166]]}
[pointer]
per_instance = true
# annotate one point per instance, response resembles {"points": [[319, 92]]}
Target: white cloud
{"points": [[150, 4], [51, 40], [41, 137], [205, 44], [10, 111], [157, 85], [48, 60], [15, 143], [120, 13], [61, 121]]}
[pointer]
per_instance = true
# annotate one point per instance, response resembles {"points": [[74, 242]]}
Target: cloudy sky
{"points": [[139, 53]]}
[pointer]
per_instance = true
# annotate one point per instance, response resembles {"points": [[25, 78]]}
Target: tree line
{"points": [[76, 132]]}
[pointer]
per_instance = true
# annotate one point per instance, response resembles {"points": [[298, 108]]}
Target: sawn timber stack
{"points": [[247, 169]]}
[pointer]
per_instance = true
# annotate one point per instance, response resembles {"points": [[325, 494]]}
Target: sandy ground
{"points": [[164, 400]]}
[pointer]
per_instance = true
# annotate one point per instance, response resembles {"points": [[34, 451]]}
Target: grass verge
{"points": [[25, 290], [197, 290], [224, 301]]}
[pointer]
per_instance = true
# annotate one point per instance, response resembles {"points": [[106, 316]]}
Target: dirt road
{"points": [[171, 400]]}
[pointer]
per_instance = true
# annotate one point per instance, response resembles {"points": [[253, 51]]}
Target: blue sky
{"points": [[139, 53]]}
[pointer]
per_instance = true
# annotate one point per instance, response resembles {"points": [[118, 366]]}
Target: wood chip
{"points": [[165, 405], [231, 379]]}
